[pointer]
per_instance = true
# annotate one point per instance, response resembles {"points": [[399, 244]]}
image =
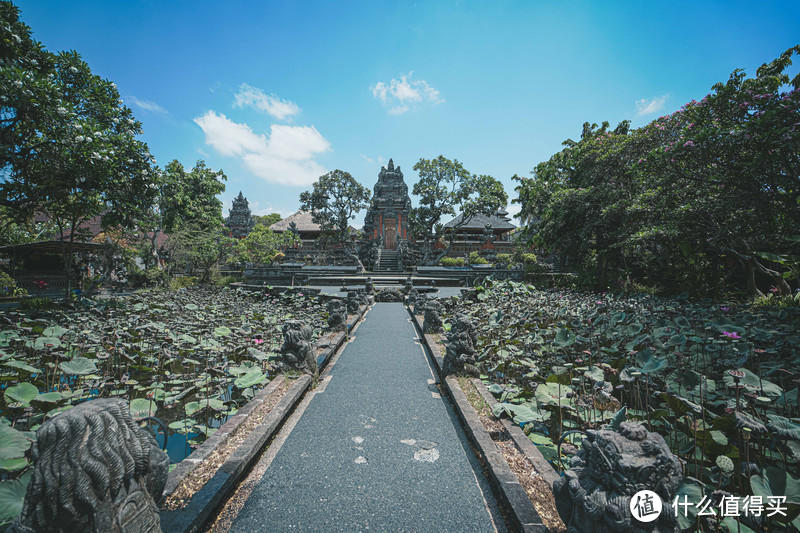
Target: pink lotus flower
{"points": [[732, 334], [724, 308], [257, 340]]}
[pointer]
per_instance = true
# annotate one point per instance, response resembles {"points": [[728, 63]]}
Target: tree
{"points": [[684, 200], [334, 201], [185, 199], [69, 147], [262, 245], [267, 220], [445, 186]]}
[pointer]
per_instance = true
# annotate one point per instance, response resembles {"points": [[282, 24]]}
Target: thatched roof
{"points": [[301, 219]]}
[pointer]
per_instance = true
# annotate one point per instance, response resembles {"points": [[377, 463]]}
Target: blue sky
{"points": [[277, 93]]}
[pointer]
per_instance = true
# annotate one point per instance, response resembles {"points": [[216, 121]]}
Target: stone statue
{"points": [[432, 323], [297, 351], [408, 285], [369, 286], [95, 471], [388, 295], [337, 315], [412, 295], [595, 493], [460, 354], [353, 302], [419, 303]]}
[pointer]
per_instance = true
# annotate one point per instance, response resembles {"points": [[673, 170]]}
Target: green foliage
{"points": [[262, 245], [475, 258], [36, 304], [70, 145], [197, 251], [451, 261], [149, 277], [572, 360], [335, 199], [190, 198], [704, 199], [181, 282], [8, 287], [504, 259], [267, 220], [445, 187]]}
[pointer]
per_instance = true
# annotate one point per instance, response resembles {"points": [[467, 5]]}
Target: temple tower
{"points": [[387, 216], [239, 220]]}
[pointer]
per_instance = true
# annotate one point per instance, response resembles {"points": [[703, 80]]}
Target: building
{"points": [[301, 223], [481, 232], [387, 216], [240, 221]]}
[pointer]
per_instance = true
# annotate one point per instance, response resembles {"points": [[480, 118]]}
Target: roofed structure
{"points": [[302, 221], [499, 222]]}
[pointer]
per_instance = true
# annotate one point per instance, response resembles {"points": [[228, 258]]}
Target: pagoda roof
{"points": [[479, 222]]}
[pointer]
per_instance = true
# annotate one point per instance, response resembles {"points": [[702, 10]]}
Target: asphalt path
{"points": [[377, 450]]}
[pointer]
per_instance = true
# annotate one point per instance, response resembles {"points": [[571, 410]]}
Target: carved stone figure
{"points": [[95, 471], [419, 303], [353, 302], [412, 295], [337, 315], [297, 350], [460, 354], [408, 285], [388, 295], [595, 493], [369, 286], [432, 323]]}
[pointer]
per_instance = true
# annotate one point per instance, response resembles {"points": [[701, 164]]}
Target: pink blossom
{"points": [[688, 143], [732, 334], [724, 308], [257, 340]]}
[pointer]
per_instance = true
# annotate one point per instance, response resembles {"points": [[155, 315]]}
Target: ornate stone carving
{"points": [[419, 303], [95, 471], [460, 354], [594, 494], [390, 205], [388, 295], [409, 284], [337, 315], [239, 220], [432, 323], [353, 302], [412, 295], [297, 351], [369, 286]]}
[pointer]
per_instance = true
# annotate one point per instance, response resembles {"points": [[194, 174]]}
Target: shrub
{"points": [[773, 300], [36, 304], [8, 287], [452, 261], [224, 281], [503, 259], [182, 282], [476, 259], [528, 258]]}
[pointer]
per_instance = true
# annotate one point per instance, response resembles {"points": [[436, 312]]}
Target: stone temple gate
{"points": [[387, 216]]}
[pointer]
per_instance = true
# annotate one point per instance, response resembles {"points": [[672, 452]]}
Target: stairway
{"points": [[388, 261]]}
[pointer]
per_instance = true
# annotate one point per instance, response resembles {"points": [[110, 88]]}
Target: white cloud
{"points": [[256, 209], [256, 98], [399, 95], [372, 160], [146, 105], [513, 210], [653, 105], [286, 156]]}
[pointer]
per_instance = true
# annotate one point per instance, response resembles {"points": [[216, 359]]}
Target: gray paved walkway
{"points": [[375, 451]]}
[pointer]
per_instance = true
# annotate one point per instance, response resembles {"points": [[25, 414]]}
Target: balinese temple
{"points": [[387, 216], [240, 221]]}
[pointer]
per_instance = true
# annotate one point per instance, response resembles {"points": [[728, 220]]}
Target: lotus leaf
{"points": [[78, 366], [21, 393]]}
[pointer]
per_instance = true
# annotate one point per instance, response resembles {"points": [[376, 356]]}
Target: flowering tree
{"points": [[685, 200], [69, 146]]}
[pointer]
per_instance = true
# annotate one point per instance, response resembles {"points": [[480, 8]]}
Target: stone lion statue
{"points": [[594, 495], [459, 356], [337, 315], [297, 350], [432, 321], [95, 471]]}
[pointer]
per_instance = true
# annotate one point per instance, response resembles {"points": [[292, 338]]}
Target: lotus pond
{"points": [[190, 358], [719, 382]]}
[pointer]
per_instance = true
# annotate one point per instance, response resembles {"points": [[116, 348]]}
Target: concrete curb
{"points": [[504, 482], [205, 502], [540, 464]]}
